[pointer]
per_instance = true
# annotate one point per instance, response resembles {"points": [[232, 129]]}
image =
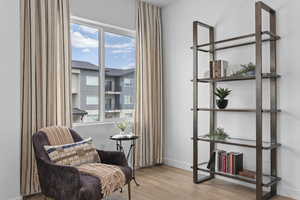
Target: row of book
{"points": [[227, 162], [218, 68]]}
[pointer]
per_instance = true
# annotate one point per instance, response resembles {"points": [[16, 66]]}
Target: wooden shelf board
{"points": [[268, 180], [236, 110], [272, 37], [237, 78], [240, 142]]}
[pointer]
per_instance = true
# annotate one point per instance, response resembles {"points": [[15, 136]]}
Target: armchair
{"points": [[67, 182]]}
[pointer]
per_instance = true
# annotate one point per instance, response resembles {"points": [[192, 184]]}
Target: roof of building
{"points": [[118, 72], [82, 65]]}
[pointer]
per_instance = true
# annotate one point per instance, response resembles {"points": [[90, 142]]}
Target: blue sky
{"points": [[119, 50]]}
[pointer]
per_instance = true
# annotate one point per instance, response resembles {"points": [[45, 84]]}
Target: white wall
{"points": [[113, 12], [10, 99], [231, 18]]}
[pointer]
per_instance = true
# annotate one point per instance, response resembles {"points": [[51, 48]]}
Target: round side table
{"points": [[131, 153]]}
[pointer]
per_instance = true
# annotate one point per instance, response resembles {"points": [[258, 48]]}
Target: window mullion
{"points": [[101, 76]]}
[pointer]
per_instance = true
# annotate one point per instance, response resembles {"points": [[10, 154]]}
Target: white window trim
{"points": [[102, 28]]}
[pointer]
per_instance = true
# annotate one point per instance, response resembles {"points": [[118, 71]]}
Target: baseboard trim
{"points": [[289, 192], [178, 164], [282, 190]]}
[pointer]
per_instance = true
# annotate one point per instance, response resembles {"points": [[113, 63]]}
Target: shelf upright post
{"points": [[273, 101], [195, 102], [258, 38], [212, 116]]}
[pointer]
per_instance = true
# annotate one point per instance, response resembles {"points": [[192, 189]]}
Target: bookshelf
{"points": [[259, 37]]}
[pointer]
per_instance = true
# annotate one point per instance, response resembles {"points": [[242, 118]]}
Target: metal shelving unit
{"points": [[260, 37]]}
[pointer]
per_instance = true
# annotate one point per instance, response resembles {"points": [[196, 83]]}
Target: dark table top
{"points": [[125, 137]]}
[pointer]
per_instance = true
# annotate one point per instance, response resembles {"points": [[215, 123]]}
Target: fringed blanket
{"points": [[111, 177], [58, 135]]}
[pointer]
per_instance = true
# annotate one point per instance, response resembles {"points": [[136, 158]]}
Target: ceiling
{"points": [[160, 2]]}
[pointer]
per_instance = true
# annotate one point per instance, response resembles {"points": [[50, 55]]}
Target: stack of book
{"points": [[218, 68], [227, 162]]}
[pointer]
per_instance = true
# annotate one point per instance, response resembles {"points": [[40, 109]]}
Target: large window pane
{"points": [[85, 73], [119, 76]]}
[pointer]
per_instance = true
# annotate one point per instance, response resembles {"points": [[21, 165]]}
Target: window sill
{"points": [[92, 124], [99, 123]]}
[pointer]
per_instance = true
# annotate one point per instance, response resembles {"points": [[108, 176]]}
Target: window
{"points": [[108, 85], [119, 72], [85, 73], [96, 97], [92, 100], [127, 82], [127, 100], [92, 81]]}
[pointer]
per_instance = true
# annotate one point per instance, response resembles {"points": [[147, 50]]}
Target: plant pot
{"points": [[222, 103]]}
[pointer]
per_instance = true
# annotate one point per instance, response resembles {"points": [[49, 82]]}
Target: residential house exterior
{"points": [[119, 92]]}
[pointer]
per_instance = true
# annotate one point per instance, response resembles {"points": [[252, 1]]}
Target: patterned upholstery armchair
{"points": [[63, 182]]}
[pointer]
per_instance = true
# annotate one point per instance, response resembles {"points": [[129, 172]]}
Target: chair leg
{"points": [[129, 191]]}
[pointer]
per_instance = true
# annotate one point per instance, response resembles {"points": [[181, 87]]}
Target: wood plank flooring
{"points": [[168, 183]]}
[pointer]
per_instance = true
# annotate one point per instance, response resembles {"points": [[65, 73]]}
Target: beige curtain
{"points": [[45, 76], [148, 112]]}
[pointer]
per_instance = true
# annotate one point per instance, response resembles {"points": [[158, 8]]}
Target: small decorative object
{"points": [[222, 93], [218, 134], [247, 70], [122, 125], [218, 68]]}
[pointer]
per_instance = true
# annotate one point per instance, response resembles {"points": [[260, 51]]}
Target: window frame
{"points": [[102, 28]]}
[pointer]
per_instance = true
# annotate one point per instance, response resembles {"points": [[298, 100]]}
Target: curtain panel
{"points": [[148, 112], [45, 77]]}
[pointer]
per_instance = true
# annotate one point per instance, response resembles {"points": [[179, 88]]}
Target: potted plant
{"points": [[222, 93], [122, 125], [218, 134], [247, 70]]}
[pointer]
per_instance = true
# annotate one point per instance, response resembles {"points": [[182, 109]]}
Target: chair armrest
{"points": [[113, 158], [57, 181]]}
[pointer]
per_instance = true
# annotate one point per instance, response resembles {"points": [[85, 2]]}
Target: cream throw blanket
{"points": [[111, 177]]}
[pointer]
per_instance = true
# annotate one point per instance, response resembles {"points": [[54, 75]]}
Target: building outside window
{"points": [[98, 98]]}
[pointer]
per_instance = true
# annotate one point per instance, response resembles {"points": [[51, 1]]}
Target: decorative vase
{"points": [[222, 103], [122, 132]]}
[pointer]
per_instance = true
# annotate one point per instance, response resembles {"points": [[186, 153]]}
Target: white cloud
{"points": [[81, 41], [88, 29], [119, 51], [86, 50], [113, 35], [129, 66], [120, 46]]}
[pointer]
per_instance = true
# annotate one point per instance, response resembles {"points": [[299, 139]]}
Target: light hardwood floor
{"points": [[168, 183]]}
